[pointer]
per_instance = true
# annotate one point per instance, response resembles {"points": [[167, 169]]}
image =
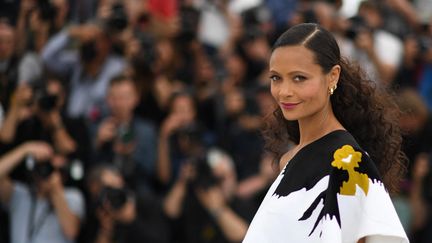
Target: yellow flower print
{"points": [[346, 158]]}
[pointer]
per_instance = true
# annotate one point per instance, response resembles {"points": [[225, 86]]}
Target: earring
{"points": [[331, 90]]}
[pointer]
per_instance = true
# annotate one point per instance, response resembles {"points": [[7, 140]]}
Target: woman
{"points": [[329, 189]]}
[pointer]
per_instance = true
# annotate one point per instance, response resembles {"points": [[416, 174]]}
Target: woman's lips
{"points": [[288, 106]]}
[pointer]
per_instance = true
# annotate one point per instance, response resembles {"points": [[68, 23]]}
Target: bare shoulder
{"points": [[285, 158]]}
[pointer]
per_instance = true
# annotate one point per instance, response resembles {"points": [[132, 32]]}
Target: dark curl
{"points": [[367, 111]]}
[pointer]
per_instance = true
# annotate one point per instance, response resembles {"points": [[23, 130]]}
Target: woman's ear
{"points": [[333, 75]]}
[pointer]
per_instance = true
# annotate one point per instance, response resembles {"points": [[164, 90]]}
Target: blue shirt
{"points": [[87, 94]]}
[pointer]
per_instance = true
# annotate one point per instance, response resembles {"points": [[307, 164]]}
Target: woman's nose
{"points": [[286, 89]]}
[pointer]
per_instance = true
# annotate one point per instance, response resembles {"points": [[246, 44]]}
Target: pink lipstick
{"points": [[288, 106]]}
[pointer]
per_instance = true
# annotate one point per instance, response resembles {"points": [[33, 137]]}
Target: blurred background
{"points": [[152, 110]]}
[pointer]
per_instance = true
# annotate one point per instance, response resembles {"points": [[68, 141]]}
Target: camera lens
{"points": [[204, 175], [116, 197], [47, 102], [43, 169], [88, 51]]}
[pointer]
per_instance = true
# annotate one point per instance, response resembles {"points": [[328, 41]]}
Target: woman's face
{"points": [[298, 83]]}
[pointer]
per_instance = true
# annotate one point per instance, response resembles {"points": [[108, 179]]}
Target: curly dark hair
{"points": [[366, 110]]}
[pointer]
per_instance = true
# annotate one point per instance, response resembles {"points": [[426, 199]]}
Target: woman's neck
{"points": [[317, 126]]}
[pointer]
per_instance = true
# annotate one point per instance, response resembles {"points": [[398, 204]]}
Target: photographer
{"points": [[43, 211], [37, 22], [178, 137], [119, 215], [8, 62], [202, 201], [36, 114], [375, 49], [17, 111], [89, 69], [126, 140]]}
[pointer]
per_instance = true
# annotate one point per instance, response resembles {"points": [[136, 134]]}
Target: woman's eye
{"points": [[299, 78], [274, 78]]}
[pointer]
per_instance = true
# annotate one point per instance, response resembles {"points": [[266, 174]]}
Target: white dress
{"points": [[329, 192]]}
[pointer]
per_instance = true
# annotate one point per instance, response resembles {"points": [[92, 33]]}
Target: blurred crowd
{"points": [[139, 120]]}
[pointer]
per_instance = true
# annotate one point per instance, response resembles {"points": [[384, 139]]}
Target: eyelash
{"points": [[274, 78], [299, 78]]}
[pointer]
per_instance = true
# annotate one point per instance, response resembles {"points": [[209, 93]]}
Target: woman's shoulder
{"points": [[330, 152], [324, 148], [338, 139], [347, 154]]}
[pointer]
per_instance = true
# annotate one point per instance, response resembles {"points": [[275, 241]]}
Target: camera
{"points": [[46, 9], [252, 33], [190, 140], [45, 102], [43, 169], [118, 19], [357, 25], [125, 134], [115, 197], [192, 132], [189, 19], [204, 178], [255, 16], [88, 51], [424, 44], [148, 53]]}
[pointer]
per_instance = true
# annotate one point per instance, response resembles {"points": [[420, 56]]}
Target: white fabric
{"points": [[213, 29], [30, 68], [372, 216], [388, 48]]}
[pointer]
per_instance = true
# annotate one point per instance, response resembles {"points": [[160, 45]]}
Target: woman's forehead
{"points": [[293, 58]]}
